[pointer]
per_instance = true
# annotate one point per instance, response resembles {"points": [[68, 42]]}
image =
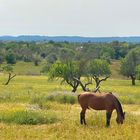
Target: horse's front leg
{"points": [[108, 117]]}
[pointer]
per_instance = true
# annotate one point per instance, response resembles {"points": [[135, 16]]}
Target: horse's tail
{"points": [[78, 97]]}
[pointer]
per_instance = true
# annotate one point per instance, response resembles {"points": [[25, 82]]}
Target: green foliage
{"points": [[129, 63], [66, 70], [2, 56], [99, 68], [46, 68], [67, 98], [66, 54], [121, 49], [51, 58], [56, 70], [36, 59], [52, 51], [138, 72], [71, 72], [107, 53], [8, 68], [28, 117], [10, 57], [63, 98]]}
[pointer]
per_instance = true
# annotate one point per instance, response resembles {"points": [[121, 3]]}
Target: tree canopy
{"points": [[98, 68], [129, 64]]}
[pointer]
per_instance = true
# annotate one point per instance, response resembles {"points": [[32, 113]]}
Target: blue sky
{"points": [[93, 18]]}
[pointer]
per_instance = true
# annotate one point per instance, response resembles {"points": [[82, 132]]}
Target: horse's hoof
{"points": [[107, 126]]}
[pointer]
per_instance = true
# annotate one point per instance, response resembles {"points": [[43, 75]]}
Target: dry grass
{"points": [[69, 127], [23, 89]]}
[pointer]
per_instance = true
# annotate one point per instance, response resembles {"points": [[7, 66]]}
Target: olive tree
{"points": [[69, 72], [138, 72], [99, 70], [129, 64], [9, 69], [65, 71]]}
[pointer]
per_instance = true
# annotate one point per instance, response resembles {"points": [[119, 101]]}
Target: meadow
{"points": [[31, 107]]}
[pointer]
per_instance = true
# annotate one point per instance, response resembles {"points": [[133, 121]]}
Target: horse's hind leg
{"points": [[82, 116], [108, 117]]}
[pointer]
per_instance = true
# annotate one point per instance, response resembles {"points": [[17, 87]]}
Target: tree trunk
{"points": [[84, 87], [98, 81], [75, 87], [73, 84], [10, 77], [133, 80]]}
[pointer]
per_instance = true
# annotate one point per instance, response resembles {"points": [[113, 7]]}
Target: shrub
{"points": [[38, 100], [62, 98], [10, 58], [28, 117]]}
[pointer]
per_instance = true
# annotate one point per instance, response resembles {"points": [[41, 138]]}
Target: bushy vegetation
{"points": [[42, 101], [28, 117], [35, 52], [63, 98]]}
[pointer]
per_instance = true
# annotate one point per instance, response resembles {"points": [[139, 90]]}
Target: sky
{"points": [[90, 18]]}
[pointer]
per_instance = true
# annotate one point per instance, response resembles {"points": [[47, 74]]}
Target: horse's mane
{"points": [[119, 107]]}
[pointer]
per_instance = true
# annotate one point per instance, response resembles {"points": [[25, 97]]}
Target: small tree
{"points": [[129, 64], [66, 71], [66, 54], [9, 69], [51, 58], [36, 59], [10, 57], [98, 68]]}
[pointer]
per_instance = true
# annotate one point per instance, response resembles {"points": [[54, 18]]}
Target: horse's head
{"points": [[120, 118]]}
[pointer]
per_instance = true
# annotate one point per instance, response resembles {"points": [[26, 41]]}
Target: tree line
{"points": [[71, 61], [11, 52]]}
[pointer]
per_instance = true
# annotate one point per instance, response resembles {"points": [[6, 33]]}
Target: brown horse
{"points": [[101, 101]]}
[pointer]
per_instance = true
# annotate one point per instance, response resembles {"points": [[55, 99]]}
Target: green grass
{"points": [[115, 69], [27, 68], [28, 117], [31, 107], [28, 88]]}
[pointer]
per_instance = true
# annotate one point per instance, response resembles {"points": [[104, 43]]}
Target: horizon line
{"points": [[68, 36]]}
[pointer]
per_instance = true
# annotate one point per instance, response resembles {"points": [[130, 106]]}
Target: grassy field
{"points": [[28, 68], [31, 107]]}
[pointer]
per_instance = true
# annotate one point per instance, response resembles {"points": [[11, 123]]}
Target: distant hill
{"points": [[69, 38]]}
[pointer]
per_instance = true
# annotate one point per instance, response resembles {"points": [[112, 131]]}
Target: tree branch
{"points": [[97, 89], [83, 86], [104, 79]]}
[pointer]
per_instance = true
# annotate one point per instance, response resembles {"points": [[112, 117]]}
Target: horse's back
{"points": [[97, 101]]}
